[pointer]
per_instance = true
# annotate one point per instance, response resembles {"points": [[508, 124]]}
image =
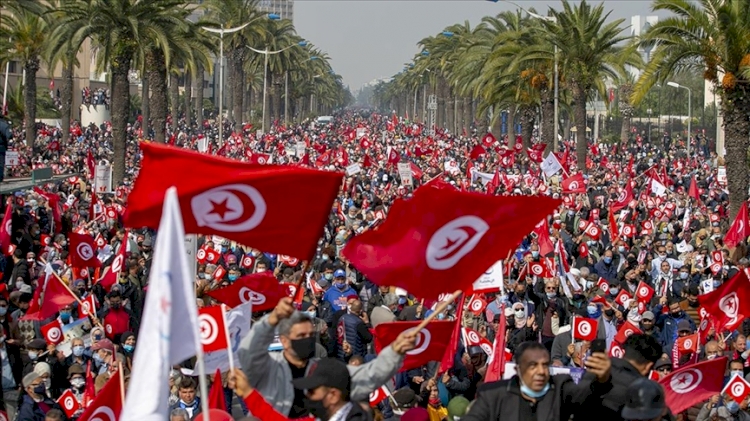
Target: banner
{"points": [[238, 324], [11, 158], [404, 171], [103, 178], [491, 280]]}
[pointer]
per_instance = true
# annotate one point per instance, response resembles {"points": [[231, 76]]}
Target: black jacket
{"points": [[502, 400]]}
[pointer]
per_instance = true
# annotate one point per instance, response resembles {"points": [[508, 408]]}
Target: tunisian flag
{"points": [[694, 383], [255, 205], [443, 240], [82, 248], [739, 231], [496, 365], [623, 198], [432, 341], [730, 302], [262, 289], [107, 401], [573, 184], [6, 228]]}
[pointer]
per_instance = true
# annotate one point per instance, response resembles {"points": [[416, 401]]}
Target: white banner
{"points": [[360, 132], [551, 165], [11, 158], [491, 280], [721, 175], [451, 167], [103, 178], [191, 247], [238, 323], [353, 169], [300, 147], [404, 171], [203, 145]]}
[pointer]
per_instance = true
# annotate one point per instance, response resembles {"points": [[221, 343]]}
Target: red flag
{"points": [[573, 184], [216, 394], [626, 330], [263, 289], [118, 264], [540, 269], [542, 237], [213, 329], [644, 292], [108, 402], [420, 244], [603, 285], [56, 296], [534, 154], [739, 231], [88, 308], [477, 305], [90, 164], [379, 395], [52, 332], [68, 403], [496, 367], [614, 234], [431, 341], [694, 383], [622, 298], [90, 390], [82, 248], [393, 157], [730, 302], [477, 151], [6, 228], [489, 140], [688, 344], [243, 202], [693, 190], [323, 159], [259, 158], [450, 352], [738, 388], [623, 198], [584, 329]]}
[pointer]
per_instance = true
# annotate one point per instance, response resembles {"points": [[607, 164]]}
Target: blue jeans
{"points": [[228, 395]]}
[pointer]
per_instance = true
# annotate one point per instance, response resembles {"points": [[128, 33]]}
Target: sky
{"points": [[373, 39]]}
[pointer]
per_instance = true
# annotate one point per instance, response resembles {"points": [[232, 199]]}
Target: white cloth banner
{"points": [[491, 280], [171, 334], [550, 166]]}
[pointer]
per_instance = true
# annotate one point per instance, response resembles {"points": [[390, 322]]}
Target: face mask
{"points": [[607, 260], [614, 290], [317, 409], [733, 407], [65, 317], [402, 300], [683, 275], [551, 295], [40, 389], [441, 316], [434, 401], [223, 249], [571, 213], [115, 306], [591, 310], [33, 355], [19, 285], [532, 394], [520, 314], [233, 277], [128, 348], [324, 257], [97, 358], [123, 280], [662, 256], [621, 249], [328, 276], [590, 243], [717, 284], [204, 276], [304, 348], [78, 350], [609, 312], [501, 298], [535, 254], [78, 383], [676, 314], [589, 284], [3, 311], [735, 372], [311, 314], [47, 383]]}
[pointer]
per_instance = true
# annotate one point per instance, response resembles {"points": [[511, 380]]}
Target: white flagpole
{"points": [[230, 354], [203, 384]]}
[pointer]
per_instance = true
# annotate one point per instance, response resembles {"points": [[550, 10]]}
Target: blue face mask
{"points": [[683, 275], [224, 249], [65, 317], [532, 394], [78, 350], [607, 259], [733, 407], [97, 357], [441, 316], [535, 254], [621, 249], [311, 314], [328, 276], [717, 284], [233, 277], [551, 295], [402, 300], [591, 310], [128, 348], [614, 290]]}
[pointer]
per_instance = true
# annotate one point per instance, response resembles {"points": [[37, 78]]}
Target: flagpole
{"points": [[122, 383], [202, 380], [229, 343], [440, 307]]}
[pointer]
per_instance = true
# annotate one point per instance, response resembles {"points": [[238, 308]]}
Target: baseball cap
{"points": [[328, 372], [684, 326], [648, 315], [104, 344], [339, 273]]}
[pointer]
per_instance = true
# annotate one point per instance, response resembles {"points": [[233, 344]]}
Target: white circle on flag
{"points": [[209, 328], [537, 269], [423, 341], [686, 381], [454, 240], [85, 251], [86, 308], [103, 411], [54, 334], [201, 254], [117, 264], [616, 351], [473, 337], [476, 305], [487, 348], [584, 328], [246, 294], [573, 185], [643, 292], [628, 332], [738, 389], [69, 403], [688, 343]]}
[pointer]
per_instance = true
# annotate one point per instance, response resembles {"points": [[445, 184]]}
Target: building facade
{"points": [[283, 8]]}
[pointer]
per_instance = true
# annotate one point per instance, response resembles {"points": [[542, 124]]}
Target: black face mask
{"points": [[677, 314], [304, 348], [317, 409], [609, 312]]}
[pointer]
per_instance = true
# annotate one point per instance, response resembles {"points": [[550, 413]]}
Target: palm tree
{"points": [[712, 36], [26, 27], [589, 53], [120, 30]]}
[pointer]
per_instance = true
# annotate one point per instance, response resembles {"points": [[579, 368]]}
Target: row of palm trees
{"points": [[506, 63], [156, 39]]}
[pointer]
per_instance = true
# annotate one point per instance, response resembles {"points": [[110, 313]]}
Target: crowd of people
{"points": [[587, 261]]}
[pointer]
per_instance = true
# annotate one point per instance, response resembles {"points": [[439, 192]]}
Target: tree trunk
{"points": [[527, 125], [511, 123], [734, 107], [449, 110], [626, 110], [199, 76], [119, 67], [468, 116], [267, 97], [174, 98], [247, 102], [579, 112], [29, 95], [188, 86], [497, 124], [145, 104], [548, 120], [238, 83], [66, 98], [157, 84]]}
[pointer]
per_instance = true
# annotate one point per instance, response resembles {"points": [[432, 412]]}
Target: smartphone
{"points": [[598, 345]]}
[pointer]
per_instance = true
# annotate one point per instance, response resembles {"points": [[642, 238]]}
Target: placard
{"points": [[191, 248], [491, 280], [300, 147], [404, 171], [11, 158], [360, 132], [721, 175], [103, 178], [353, 169]]}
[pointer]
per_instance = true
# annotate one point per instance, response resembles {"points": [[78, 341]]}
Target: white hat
{"points": [[401, 292]]}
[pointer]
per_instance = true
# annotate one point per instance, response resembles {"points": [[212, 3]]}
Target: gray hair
{"points": [[390, 299], [285, 325], [179, 412], [585, 272]]}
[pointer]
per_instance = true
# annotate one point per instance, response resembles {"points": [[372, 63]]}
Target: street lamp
{"points": [[690, 111], [557, 71], [221, 31], [266, 53]]}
